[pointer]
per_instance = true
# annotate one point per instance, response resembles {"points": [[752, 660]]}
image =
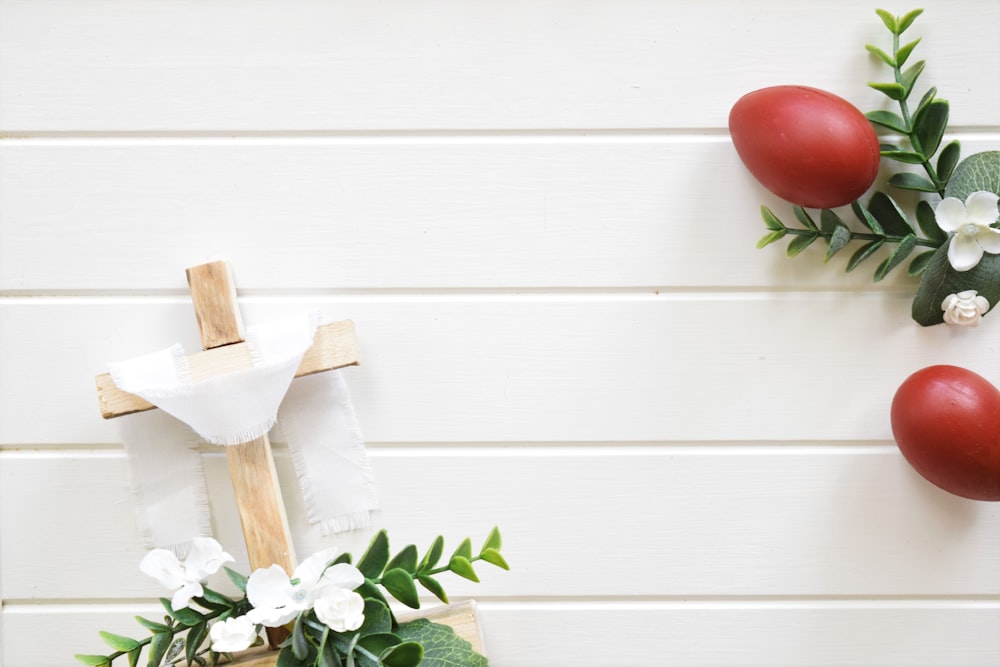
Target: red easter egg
{"points": [[805, 145], [946, 421]]}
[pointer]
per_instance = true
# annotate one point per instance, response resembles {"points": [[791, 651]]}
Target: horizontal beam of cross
{"points": [[334, 346]]}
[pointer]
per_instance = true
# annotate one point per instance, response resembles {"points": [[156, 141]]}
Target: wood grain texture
{"points": [[334, 346], [213, 295], [260, 506], [731, 522], [507, 368], [385, 213], [534, 214], [918, 633], [448, 65]]}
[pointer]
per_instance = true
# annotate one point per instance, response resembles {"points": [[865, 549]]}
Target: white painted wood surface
{"points": [[532, 212]]}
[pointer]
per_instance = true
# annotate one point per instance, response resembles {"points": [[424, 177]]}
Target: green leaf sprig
{"points": [[924, 127], [883, 221], [180, 637], [381, 641]]}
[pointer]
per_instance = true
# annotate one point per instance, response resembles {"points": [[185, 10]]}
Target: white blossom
{"points": [[965, 308], [970, 225], [339, 608], [233, 634], [278, 598], [184, 578]]}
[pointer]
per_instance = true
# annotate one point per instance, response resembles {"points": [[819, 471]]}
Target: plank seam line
{"points": [[487, 603], [21, 297], [515, 450], [409, 136]]}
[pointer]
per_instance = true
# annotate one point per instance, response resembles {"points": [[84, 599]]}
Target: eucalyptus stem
{"points": [[904, 109], [863, 236], [472, 559]]}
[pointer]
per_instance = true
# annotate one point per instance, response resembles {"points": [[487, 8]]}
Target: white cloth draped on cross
{"points": [[313, 414]]}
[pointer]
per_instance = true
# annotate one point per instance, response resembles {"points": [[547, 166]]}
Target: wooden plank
{"points": [[462, 617], [334, 346], [538, 212], [632, 64], [538, 367], [258, 502], [818, 633], [714, 521], [213, 294]]}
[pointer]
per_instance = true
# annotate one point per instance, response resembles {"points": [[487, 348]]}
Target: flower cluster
{"points": [[275, 598], [316, 584], [332, 611], [959, 268], [972, 236], [184, 578]]}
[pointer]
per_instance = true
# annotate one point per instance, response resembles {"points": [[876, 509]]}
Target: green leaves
{"points": [[940, 280], [405, 654], [892, 218], [400, 574], [948, 160], [889, 120], [903, 53], [463, 568], [93, 660], [929, 126], [442, 647], [923, 128], [928, 224], [183, 632], [840, 234], [376, 557], [887, 232], [902, 251], [238, 579], [885, 221], [119, 643], [433, 554], [400, 585], [898, 25], [977, 172], [182, 636]]}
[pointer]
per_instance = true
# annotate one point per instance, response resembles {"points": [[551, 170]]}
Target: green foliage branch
{"points": [[883, 221], [381, 641]]}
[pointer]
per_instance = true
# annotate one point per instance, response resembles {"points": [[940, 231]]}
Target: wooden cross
{"points": [[251, 466]]}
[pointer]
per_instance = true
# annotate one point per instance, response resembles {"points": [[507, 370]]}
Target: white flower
{"points": [[341, 609], [970, 222], [277, 599], [965, 308], [233, 634], [204, 559]]}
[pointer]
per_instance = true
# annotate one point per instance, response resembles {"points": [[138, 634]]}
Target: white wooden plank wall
{"points": [[533, 214]]}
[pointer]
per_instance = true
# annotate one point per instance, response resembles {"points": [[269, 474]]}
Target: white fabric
{"points": [[226, 409], [317, 419], [167, 479], [321, 430]]}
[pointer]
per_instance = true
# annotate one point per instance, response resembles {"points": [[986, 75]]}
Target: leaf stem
{"points": [[904, 109], [175, 630], [862, 236]]}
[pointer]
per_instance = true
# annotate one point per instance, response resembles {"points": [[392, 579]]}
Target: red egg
{"points": [[946, 421], [805, 145]]}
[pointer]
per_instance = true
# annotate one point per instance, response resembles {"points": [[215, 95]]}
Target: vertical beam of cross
{"points": [[251, 465]]}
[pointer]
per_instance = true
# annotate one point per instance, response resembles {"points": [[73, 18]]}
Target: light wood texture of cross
{"points": [[251, 464]]}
